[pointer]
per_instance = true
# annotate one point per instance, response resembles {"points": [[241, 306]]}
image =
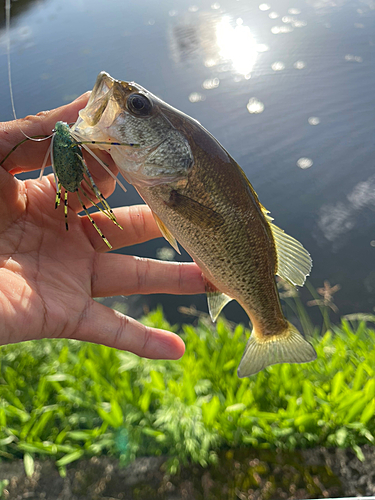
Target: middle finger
{"points": [[137, 222], [116, 274]]}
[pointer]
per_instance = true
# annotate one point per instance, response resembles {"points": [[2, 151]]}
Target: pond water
{"points": [[287, 86]]}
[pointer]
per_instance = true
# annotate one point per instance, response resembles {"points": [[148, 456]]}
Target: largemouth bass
{"points": [[202, 199]]}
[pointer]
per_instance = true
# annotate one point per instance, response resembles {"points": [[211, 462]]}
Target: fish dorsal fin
{"points": [[293, 260], [215, 299], [166, 233]]}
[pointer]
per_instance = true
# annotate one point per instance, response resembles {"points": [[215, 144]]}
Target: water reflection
{"points": [[313, 120], [278, 66], [196, 97], [304, 163], [335, 220], [350, 57], [18, 8], [277, 30], [225, 43], [211, 83], [254, 106], [21, 39], [236, 44], [185, 40], [299, 23], [304, 95], [165, 253]]}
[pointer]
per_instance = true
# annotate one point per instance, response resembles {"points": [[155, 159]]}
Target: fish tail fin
{"points": [[262, 351]]}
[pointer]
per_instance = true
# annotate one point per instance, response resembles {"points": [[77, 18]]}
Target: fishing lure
{"points": [[72, 174], [70, 169]]}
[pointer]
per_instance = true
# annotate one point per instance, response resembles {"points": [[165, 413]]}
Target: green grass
{"points": [[67, 399]]}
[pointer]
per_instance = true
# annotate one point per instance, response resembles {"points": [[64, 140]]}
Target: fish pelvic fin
{"points": [[262, 351], [166, 233], [216, 302], [215, 299]]}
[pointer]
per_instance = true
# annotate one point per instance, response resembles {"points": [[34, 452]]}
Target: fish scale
{"points": [[201, 198]]}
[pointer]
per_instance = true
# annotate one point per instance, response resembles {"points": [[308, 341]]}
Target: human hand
{"points": [[49, 276]]}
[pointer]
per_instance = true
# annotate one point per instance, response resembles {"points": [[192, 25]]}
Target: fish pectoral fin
{"points": [[293, 260], [194, 211], [262, 351], [166, 233], [216, 300]]}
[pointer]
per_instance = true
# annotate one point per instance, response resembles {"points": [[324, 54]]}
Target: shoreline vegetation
{"points": [[68, 401]]}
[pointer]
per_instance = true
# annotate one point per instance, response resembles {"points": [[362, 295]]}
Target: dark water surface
{"points": [[288, 88]]}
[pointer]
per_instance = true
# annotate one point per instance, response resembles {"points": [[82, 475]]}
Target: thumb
{"points": [[30, 156], [12, 199]]}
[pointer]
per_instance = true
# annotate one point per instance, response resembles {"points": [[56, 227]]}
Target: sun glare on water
{"points": [[237, 45]]}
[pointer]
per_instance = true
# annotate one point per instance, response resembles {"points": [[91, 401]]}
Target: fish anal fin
{"points": [[293, 260], [215, 299], [262, 351], [166, 233]]}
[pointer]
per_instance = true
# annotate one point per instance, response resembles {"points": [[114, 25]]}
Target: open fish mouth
{"points": [[106, 90], [142, 141], [107, 101]]}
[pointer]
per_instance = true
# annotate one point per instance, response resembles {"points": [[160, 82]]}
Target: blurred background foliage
{"points": [[67, 399]]}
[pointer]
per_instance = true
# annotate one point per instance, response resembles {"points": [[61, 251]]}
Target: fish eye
{"points": [[139, 104]]}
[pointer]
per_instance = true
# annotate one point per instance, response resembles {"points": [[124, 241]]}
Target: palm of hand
{"points": [[46, 270]]}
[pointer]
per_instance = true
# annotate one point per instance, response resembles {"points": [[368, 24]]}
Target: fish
{"points": [[201, 199]]}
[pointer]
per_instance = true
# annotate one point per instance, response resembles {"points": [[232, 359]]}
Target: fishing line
{"points": [[38, 138], [7, 24]]}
